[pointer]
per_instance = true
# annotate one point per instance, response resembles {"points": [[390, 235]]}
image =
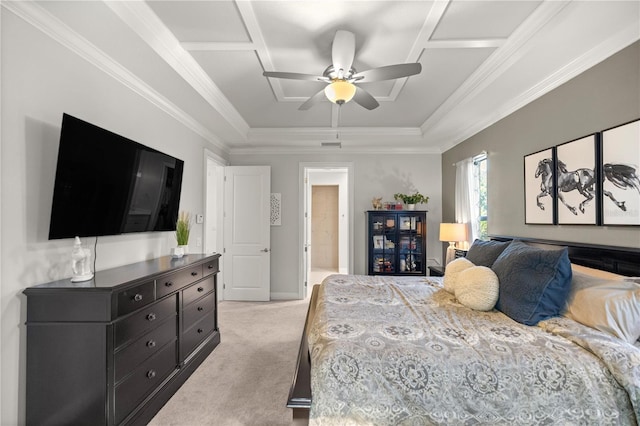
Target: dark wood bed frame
{"points": [[619, 260]]}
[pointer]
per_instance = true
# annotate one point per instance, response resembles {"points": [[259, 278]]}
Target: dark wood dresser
{"points": [[113, 350]]}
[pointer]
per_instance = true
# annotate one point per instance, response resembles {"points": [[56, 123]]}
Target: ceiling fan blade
{"points": [[294, 76], [312, 101], [388, 73], [364, 98], [343, 51]]}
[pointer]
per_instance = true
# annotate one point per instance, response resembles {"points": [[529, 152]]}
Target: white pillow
{"points": [[477, 288], [611, 306], [452, 270]]}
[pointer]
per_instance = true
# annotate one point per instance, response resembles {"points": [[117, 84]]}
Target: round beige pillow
{"points": [[452, 270], [477, 288]]}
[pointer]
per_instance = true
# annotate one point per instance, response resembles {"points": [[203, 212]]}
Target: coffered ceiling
{"points": [[481, 60]]}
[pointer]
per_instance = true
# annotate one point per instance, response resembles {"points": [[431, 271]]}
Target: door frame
{"points": [[218, 213], [304, 197]]}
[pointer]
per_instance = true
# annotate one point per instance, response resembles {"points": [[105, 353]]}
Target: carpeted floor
{"points": [[246, 379]]}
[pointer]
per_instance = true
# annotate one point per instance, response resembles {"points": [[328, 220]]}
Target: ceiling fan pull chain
{"points": [[338, 122]]}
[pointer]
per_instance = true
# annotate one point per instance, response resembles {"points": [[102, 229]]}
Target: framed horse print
{"points": [[539, 193], [576, 181], [620, 175]]}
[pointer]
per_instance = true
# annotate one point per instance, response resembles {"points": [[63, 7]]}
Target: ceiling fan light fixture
{"points": [[340, 91]]}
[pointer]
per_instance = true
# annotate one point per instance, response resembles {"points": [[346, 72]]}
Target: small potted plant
{"points": [[183, 227], [411, 200]]}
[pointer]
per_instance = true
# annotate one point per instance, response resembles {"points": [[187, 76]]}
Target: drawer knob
{"points": [[194, 273], [168, 284], [151, 374], [210, 266], [200, 331], [151, 316], [200, 289], [151, 343], [137, 297], [200, 308]]}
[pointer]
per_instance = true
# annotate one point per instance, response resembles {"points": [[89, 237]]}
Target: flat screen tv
{"points": [[107, 184]]}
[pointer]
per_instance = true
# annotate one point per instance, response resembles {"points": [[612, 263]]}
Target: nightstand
{"points": [[436, 271]]}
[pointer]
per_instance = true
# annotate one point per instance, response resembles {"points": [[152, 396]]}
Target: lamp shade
{"points": [[340, 91], [453, 232]]}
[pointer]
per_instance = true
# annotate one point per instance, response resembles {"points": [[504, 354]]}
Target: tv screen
{"points": [[107, 184]]}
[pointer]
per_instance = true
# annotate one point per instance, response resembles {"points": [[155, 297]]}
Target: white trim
{"points": [[497, 63], [60, 32], [302, 167], [284, 296], [466, 44], [318, 149], [312, 133], [589, 59], [144, 22], [233, 46], [215, 157], [209, 155]]}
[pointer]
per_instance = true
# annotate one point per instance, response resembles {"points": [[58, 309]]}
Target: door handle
{"points": [[265, 250]]}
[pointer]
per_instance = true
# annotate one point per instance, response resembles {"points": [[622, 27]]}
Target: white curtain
{"points": [[466, 199]]}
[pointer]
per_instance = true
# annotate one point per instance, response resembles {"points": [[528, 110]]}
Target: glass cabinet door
{"points": [[383, 243], [411, 244], [396, 243]]}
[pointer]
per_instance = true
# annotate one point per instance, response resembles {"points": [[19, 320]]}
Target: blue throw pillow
{"points": [[534, 283], [484, 253]]}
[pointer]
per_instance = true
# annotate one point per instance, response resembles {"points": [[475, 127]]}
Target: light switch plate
{"points": [[199, 218]]}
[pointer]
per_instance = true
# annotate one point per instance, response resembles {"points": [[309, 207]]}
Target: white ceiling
{"points": [[481, 60]]}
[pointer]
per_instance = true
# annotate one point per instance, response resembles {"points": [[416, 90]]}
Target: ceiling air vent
{"points": [[331, 144]]}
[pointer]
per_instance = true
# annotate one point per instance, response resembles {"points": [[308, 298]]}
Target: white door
{"points": [[247, 251]]}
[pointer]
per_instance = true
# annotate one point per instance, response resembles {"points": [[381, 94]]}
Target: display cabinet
{"points": [[396, 242]]}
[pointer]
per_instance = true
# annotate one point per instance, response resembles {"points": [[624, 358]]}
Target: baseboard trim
{"points": [[285, 296]]}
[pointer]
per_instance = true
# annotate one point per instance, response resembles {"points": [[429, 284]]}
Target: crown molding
{"points": [[144, 22], [623, 38], [318, 150], [38, 17], [499, 62], [295, 135]]}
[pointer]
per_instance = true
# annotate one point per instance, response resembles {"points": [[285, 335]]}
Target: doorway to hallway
{"points": [[326, 222]]}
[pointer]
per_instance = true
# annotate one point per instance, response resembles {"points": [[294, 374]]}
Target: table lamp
{"points": [[452, 232]]}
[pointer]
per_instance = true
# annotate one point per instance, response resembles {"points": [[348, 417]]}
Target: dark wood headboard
{"points": [[620, 260]]}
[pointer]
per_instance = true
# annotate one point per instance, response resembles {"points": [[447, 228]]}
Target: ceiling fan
{"points": [[341, 76]]}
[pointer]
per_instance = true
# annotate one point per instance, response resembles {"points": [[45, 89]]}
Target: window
{"points": [[480, 183], [471, 195]]}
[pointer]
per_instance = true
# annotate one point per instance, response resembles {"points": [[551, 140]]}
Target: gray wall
{"points": [[41, 79], [602, 97], [374, 176]]}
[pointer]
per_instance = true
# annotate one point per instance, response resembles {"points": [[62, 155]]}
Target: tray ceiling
{"points": [[481, 61]]}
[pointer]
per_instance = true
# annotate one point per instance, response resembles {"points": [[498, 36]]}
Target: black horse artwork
{"points": [[620, 175]]}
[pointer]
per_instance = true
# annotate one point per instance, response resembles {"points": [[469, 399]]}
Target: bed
{"points": [[390, 350]]}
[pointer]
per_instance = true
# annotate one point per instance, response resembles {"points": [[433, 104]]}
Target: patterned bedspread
{"points": [[402, 351]]}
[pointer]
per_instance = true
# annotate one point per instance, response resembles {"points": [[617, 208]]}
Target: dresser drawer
{"points": [[136, 297], [146, 346], [197, 333], [140, 322], [177, 280], [197, 290], [143, 380], [198, 309], [210, 267]]}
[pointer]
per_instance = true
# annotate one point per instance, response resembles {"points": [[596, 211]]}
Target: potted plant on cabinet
{"points": [[411, 200], [183, 227]]}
